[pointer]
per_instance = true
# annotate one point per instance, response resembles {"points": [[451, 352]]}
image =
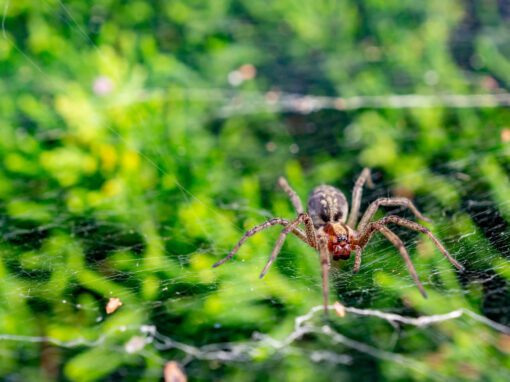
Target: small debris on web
{"points": [[102, 86], [243, 73], [113, 304], [248, 71], [505, 135], [503, 343], [174, 373], [339, 309], [272, 97], [134, 345]]}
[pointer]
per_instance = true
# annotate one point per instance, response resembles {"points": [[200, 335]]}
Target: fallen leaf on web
{"points": [[174, 373]]}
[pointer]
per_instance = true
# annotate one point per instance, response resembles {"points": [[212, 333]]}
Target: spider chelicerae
{"points": [[333, 232]]}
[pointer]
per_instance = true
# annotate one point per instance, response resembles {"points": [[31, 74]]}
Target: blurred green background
{"points": [[140, 139]]}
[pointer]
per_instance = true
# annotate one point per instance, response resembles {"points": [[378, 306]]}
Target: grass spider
{"points": [[331, 231]]}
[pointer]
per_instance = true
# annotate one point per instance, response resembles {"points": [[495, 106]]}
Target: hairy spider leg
{"points": [[356, 196], [395, 240], [357, 259], [296, 202], [279, 243], [258, 228], [325, 265], [372, 227], [388, 202], [294, 198]]}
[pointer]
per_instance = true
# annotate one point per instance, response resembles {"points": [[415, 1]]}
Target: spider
{"points": [[331, 231]]}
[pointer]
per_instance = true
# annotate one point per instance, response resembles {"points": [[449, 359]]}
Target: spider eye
{"points": [[337, 216], [324, 217]]}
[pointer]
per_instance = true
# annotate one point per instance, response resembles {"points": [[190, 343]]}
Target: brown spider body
{"points": [[328, 209], [335, 233], [342, 240]]}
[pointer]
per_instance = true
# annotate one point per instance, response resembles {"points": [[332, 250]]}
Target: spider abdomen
{"points": [[327, 204]]}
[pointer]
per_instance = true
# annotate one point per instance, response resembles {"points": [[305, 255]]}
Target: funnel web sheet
{"points": [[139, 142]]}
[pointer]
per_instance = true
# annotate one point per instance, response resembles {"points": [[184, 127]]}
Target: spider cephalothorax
{"points": [[341, 240], [330, 230]]}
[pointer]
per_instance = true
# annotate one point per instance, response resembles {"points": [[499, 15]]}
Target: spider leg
{"points": [[357, 260], [294, 198], [296, 231], [296, 202], [279, 243], [374, 206], [395, 240], [356, 196], [371, 227], [310, 231], [325, 265]]}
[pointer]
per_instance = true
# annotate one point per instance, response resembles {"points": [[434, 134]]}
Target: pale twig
{"points": [[287, 102], [244, 351], [244, 102], [415, 321]]}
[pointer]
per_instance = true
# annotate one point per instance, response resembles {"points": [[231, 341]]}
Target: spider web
{"points": [[94, 205]]}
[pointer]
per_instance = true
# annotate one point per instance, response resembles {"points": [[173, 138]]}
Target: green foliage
{"points": [[121, 176]]}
